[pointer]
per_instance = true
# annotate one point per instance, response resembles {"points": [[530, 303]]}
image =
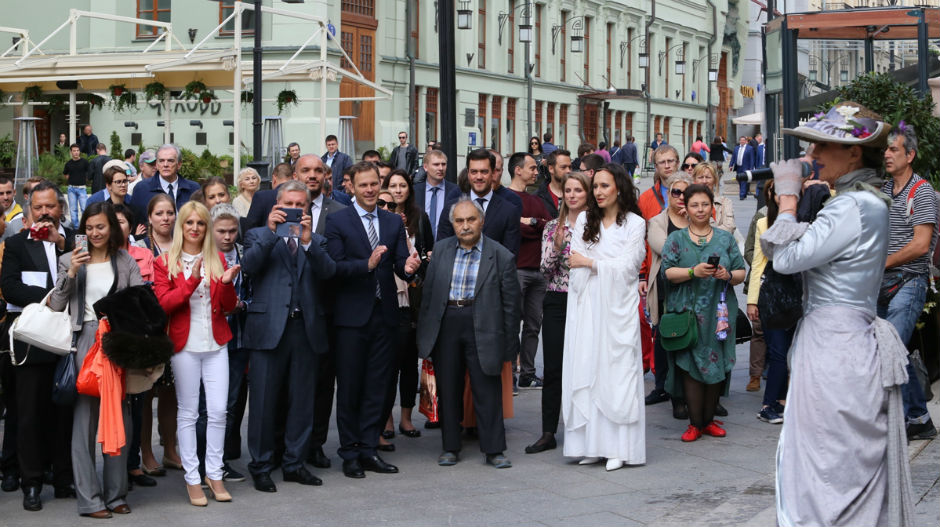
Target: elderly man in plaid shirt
{"points": [[469, 321]]}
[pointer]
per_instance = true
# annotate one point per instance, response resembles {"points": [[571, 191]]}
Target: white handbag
{"points": [[43, 328]]}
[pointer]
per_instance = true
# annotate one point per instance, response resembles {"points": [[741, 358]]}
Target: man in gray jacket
{"points": [[469, 321]]}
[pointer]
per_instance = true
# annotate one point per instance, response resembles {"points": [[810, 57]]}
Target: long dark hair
{"points": [[626, 202], [412, 212], [538, 149], [772, 208], [115, 234]]}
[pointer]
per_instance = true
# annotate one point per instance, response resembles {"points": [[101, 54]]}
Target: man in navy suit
{"points": [[169, 182], [742, 160], [502, 218], [284, 328], [434, 191], [368, 245], [336, 160]]}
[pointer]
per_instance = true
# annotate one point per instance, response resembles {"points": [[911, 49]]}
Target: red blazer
{"points": [[174, 294]]}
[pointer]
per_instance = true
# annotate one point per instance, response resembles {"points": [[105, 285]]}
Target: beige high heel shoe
{"points": [[217, 489], [196, 496]]}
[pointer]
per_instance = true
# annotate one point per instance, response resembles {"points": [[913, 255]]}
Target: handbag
{"points": [[678, 331], [428, 404], [64, 390], [781, 299], [38, 325]]}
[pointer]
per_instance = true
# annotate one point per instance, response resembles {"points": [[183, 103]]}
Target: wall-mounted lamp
{"points": [[464, 15], [228, 122], [192, 35], [161, 123], [130, 124], [196, 122]]}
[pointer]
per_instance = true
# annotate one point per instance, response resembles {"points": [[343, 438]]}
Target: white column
{"points": [[73, 117]]}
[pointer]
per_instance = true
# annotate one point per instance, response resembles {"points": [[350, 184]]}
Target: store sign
{"points": [[747, 91], [213, 108]]}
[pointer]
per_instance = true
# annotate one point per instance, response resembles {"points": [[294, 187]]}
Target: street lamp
{"points": [[644, 58], [680, 67], [664, 54], [844, 75], [464, 15], [525, 26], [577, 36]]}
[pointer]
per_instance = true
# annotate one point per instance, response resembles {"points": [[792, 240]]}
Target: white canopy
{"points": [[752, 119]]}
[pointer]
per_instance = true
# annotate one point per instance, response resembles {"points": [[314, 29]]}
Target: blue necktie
{"points": [[374, 242], [434, 210]]}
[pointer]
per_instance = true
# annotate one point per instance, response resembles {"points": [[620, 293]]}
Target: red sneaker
{"points": [[691, 434], [714, 430]]}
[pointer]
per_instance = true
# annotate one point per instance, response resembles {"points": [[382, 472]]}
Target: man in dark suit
{"points": [[336, 160], [311, 171], [168, 182], [469, 321], [264, 200], [368, 245], [741, 160], [434, 191], [552, 193], [29, 271], [627, 156], [502, 218], [88, 141], [284, 329]]}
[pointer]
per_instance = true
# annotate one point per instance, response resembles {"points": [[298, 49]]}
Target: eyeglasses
{"points": [[390, 205], [686, 166], [676, 193], [119, 182], [403, 137]]}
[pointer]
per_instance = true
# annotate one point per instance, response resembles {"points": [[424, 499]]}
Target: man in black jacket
{"points": [[96, 168], [88, 141], [552, 193], [404, 156], [29, 271]]}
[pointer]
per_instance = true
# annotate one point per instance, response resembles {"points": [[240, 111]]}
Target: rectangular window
{"points": [[481, 37], [587, 50], [538, 118], [562, 134], [152, 10], [364, 8], [629, 124], [610, 51], [226, 8], [666, 73], [628, 60], [415, 28], [430, 119], [347, 39], [510, 31], [494, 124], [550, 117], [538, 40], [481, 118], [564, 44], [365, 53], [511, 123]]}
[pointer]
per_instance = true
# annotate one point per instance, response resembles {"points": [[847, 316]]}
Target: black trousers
{"points": [[365, 358], [292, 364], [405, 372], [8, 458], [456, 353], [554, 309], [44, 429], [237, 400], [325, 389]]}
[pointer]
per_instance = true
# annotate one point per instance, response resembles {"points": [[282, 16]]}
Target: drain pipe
{"points": [[708, 97], [649, 66]]}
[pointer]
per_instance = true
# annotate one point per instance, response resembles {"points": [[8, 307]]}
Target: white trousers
{"points": [[211, 370]]}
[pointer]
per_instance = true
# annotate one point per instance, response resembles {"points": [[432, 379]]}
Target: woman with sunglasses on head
{"points": [[602, 379], [673, 218], [420, 239], [707, 174], [196, 290], [86, 276], [701, 266]]}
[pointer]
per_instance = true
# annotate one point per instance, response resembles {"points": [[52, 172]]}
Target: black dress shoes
{"points": [[720, 410], [141, 480], [656, 397], [318, 458], [353, 469], [302, 476], [11, 482], [546, 442], [65, 491], [385, 448], [409, 433], [377, 464], [432, 425], [264, 483], [31, 499]]}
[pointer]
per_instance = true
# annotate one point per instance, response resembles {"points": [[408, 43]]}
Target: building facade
{"points": [[585, 56]]}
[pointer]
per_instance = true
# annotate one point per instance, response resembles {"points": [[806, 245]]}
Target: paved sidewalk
{"points": [[719, 482]]}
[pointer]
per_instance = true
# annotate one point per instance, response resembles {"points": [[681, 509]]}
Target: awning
{"points": [[752, 119]]}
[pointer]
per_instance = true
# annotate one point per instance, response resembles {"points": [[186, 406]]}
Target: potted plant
{"points": [[116, 90], [95, 102], [207, 96], [32, 93], [155, 91], [247, 97], [122, 98], [56, 104], [194, 90], [284, 98]]}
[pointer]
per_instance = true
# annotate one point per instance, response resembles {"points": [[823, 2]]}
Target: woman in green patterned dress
{"points": [[699, 374]]}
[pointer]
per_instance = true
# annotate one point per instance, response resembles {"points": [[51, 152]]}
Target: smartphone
{"points": [[713, 260], [81, 243], [291, 225]]}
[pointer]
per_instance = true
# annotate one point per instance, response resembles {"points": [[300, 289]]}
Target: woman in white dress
{"points": [[602, 375]]}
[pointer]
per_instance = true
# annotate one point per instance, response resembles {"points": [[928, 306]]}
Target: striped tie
{"points": [[374, 242]]}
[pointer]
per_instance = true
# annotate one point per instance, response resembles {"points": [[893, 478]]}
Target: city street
{"points": [[712, 481]]}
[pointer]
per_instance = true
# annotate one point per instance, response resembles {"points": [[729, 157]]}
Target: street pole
{"points": [[258, 122], [448, 80], [410, 53], [528, 78]]}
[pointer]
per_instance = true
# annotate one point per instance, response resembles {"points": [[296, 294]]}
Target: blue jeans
{"points": [[902, 312], [778, 345], [78, 196]]}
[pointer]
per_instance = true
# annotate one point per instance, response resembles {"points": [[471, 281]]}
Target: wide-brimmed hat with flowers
{"points": [[847, 123]]}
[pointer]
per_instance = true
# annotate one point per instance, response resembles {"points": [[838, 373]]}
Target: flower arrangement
{"points": [[155, 91], [284, 98], [194, 90], [32, 93]]}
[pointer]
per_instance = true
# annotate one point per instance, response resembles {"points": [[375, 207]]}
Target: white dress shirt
{"points": [[365, 221], [488, 197], [741, 150], [316, 207]]}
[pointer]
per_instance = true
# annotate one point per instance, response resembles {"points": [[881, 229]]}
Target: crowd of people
{"points": [[345, 275]]}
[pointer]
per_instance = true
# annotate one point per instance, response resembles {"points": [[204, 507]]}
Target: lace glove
{"points": [[788, 177]]}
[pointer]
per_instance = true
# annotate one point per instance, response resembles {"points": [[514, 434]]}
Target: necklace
{"points": [[702, 238]]}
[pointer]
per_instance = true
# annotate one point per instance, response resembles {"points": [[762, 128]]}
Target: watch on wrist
{"points": [[533, 221]]}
